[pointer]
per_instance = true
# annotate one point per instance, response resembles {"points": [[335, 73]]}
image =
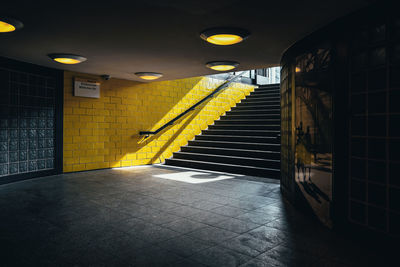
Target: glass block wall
{"points": [[374, 97], [27, 122]]}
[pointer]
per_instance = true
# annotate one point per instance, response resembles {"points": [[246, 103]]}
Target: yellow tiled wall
{"points": [[104, 132]]}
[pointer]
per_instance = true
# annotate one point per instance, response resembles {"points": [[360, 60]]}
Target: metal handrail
{"points": [[172, 121]]}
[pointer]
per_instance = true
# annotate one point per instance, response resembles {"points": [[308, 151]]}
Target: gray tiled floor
{"points": [[137, 217]]}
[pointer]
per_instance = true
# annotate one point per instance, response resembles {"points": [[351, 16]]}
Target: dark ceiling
{"points": [[120, 38]]}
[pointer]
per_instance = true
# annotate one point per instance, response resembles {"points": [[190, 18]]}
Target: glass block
{"points": [[13, 156], [358, 147], [23, 123], [358, 104], [50, 113], [3, 135], [394, 199], [377, 103], [377, 126], [377, 80], [49, 164], [49, 133], [23, 134], [394, 125], [23, 155], [394, 148], [357, 191], [377, 218], [358, 212], [23, 89], [42, 113], [32, 154], [395, 56], [34, 113], [41, 164], [13, 133], [42, 143], [3, 169], [49, 153], [377, 171], [41, 133], [14, 123], [359, 61], [378, 33], [358, 168], [394, 100], [377, 148], [358, 126], [377, 56], [33, 144], [41, 154], [394, 170], [32, 166], [3, 123], [42, 123], [32, 133], [49, 143], [3, 157], [13, 145], [3, 146], [23, 167], [23, 144], [13, 168], [33, 123], [359, 82], [50, 123]]}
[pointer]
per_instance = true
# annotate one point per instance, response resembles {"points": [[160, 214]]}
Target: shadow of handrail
{"points": [[225, 84]]}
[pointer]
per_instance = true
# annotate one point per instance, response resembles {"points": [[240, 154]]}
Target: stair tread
{"points": [[233, 149], [247, 143], [225, 156], [225, 164], [239, 136]]}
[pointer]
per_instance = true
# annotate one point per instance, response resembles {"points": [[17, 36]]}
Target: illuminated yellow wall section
{"points": [[103, 133]]}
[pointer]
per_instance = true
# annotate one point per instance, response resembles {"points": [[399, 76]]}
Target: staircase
{"points": [[244, 141]]}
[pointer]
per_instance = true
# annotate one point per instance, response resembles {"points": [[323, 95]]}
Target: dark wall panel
{"points": [[30, 121]]}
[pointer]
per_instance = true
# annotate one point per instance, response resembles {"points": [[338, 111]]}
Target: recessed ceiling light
{"points": [[9, 24], [148, 75], [224, 36], [67, 58], [222, 65]]}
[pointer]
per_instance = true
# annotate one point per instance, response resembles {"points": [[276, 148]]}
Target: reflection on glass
{"points": [[313, 120]]}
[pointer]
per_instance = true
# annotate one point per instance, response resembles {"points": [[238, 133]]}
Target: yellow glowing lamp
{"points": [[9, 25], [297, 69], [224, 36], [69, 59], [148, 75], [222, 65]]}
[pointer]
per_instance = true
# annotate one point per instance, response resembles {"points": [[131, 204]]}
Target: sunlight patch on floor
{"points": [[194, 177]]}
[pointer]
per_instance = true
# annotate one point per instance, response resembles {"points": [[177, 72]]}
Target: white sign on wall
{"points": [[86, 88]]}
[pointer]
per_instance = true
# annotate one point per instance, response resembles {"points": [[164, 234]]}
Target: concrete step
{"points": [[241, 133], [244, 111], [235, 138], [243, 161], [249, 121], [233, 152], [230, 168], [244, 127], [251, 117], [236, 145]]}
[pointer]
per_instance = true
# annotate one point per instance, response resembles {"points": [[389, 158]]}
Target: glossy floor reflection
{"points": [[147, 216]]}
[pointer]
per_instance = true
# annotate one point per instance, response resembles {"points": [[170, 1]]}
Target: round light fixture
{"points": [[222, 65], [9, 24], [67, 58], [148, 75], [224, 36]]}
